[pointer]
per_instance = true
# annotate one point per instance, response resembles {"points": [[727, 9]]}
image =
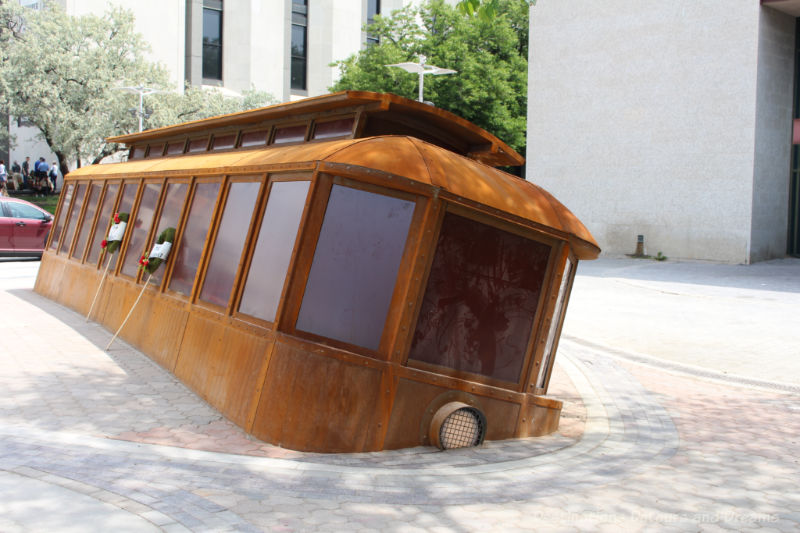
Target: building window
{"points": [[212, 39], [103, 222], [373, 8], [299, 42]]}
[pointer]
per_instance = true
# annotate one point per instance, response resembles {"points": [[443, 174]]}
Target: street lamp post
{"points": [[141, 91], [421, 69]]}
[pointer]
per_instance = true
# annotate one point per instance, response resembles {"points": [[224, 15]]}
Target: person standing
{"points": [[16, 176], [54, 176], [3, 178], [26, 172]]}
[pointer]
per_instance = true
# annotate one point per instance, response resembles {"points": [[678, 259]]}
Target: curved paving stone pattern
{"points": [[660, 450]]}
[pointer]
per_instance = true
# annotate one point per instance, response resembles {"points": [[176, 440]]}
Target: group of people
{"points": [[40, 178]]}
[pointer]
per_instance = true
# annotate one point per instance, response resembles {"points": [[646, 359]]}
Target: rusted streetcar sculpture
{"points": [[349, 272]]}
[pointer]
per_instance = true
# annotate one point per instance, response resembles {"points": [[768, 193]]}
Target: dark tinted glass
{"points": [[187, 256], [198, 145], [290, 134], [88, 218], [229, 243], [175, 147], [103, 222], [299, 73], [223, 142], [274, 246], [481, 300], [169, 218], [58, 226], [140, 226], [77, 203], [333, 128], [212, 44], [254, 138], [137, 152], [355, 266], [156, 150]]}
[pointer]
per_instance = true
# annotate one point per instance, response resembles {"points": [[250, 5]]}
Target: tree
{"points": [[486, 9], [59, 73], [490, 88], [62, 74], [196, 103]]}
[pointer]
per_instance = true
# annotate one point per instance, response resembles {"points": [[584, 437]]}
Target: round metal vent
{"points": [[457, 425]]}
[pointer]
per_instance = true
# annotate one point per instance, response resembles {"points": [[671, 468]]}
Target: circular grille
{"points": [[464, 427]]}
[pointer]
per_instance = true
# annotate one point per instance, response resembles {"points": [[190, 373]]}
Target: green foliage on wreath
{"points": [[113, 246], [152, 264]]}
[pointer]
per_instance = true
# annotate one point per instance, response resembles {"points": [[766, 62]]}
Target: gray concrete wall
{"points": [[776, 46], [641, 119]]}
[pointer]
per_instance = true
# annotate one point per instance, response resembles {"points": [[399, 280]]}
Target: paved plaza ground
{"points": [[681, 384]]}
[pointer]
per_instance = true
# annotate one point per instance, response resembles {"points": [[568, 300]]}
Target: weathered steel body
{"points": [[332, 292]]}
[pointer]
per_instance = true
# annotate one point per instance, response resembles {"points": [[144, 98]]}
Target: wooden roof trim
{"points": [[492, 151]]}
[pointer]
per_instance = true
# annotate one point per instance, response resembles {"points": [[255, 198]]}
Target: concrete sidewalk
{"points": [[669, 425]]}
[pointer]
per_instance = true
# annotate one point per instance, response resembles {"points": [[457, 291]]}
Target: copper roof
{"points": [[382, 114], [403, 156]]}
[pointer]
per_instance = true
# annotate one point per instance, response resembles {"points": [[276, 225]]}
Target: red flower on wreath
{"points": [[103, 243], [143, 262], [116, 218]]}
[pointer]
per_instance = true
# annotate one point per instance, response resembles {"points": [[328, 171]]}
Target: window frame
{"points": [[206, 251], [535, 334], [315, 215], [544, 361], [82, 222], [261, 209], [97, 223], [299, 18], [211, 241], [157, 219], [217, 6], [65, 230]]}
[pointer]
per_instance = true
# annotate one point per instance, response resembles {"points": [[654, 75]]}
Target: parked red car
{"points": [[23, 228]]}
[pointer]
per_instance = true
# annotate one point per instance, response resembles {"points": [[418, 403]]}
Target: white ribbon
{"points": [[117, 231], [161, 251]]}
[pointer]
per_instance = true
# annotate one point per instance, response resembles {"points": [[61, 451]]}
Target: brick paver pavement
{"points": [[91, 440]]}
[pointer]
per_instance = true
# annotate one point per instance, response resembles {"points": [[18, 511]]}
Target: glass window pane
{"points": [[156, 150], [24, 211], [88, 219], [481, 299], [61, 216], [212, 44], [103, 222], [223, 142], [170, 216], [558, 316], [77, 203], [254, 138], [355, 266], [175, 147], [333, 128], [298, 73], [274, 249], [125, 205], [138, 152], [290, 134], [188, 255], [198, 145], [140, 226], [228, 246]]}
